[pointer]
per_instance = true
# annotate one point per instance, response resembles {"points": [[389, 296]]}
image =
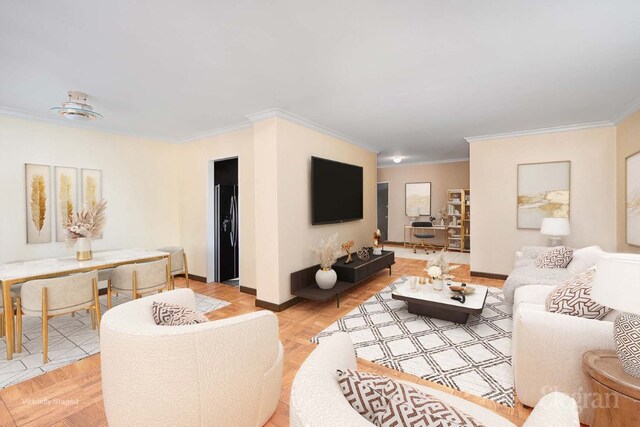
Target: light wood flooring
{"points": [[77, 386]]}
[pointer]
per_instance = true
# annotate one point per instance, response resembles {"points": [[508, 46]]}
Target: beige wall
{"points": [[138, 182], [628, 143], [592, 153], [443, 176], [195, 193], [294, 145]]}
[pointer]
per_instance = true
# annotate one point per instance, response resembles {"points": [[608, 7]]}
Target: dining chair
{"points": [[178, 263], [48, 298], [423, 235], [139, 279], [15, 296]]}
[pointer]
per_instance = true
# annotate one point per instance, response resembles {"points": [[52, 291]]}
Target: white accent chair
{"points": [[49, 298], [222, 373], [179, 263], [548, 348], [317, 401], [138, 279]]}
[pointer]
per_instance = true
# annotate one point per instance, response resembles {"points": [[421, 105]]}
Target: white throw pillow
{"points": [[584, 259]]}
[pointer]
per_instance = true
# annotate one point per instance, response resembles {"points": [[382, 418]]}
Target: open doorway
{"points": [[383, 210], [226, 224]]}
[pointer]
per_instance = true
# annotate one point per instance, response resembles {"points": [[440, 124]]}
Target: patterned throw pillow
{"points": [[386, 402], [573, 297], [166, 314], [558, 257]]}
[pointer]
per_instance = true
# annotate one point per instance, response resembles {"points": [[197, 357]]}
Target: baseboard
{"points": [[246, 290], [277, 307], [489, 275], [194, 277]]}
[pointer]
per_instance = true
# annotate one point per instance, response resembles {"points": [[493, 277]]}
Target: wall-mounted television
{"points": [[336, 191]]}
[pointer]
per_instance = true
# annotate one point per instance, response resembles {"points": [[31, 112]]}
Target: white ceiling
{"points": [[411, 77]]}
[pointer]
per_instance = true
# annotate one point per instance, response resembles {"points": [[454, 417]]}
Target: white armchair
{"points": [[548, 349], [221, 373], [317, 401]]}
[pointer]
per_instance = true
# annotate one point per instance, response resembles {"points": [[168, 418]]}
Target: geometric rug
{"points": [[70, 339], [474, 358]]}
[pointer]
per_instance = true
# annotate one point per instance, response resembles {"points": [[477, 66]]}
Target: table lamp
{"points": [[555, 228], [413, 213], [617, 286]]}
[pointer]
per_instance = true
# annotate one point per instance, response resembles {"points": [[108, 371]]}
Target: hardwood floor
{"points": [[72, 395]]}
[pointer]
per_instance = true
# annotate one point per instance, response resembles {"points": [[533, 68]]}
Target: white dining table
{"points": [[20, 272]]}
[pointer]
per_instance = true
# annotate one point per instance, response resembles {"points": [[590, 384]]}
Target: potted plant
{"points": [[84, 226], [328, 251]]}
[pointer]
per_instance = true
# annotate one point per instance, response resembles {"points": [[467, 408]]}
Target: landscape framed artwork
{"points": [[417, 196], [632, 201], [37, 192], [544, 190], [66, 201], [91, 188]]}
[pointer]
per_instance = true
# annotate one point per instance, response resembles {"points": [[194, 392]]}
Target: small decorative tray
{"points": [[464, 290]]}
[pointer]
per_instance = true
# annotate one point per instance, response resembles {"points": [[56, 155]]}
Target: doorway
{"points": [[383, 210], [226, 224]]}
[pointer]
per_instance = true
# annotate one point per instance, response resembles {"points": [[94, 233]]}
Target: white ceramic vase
{"points": [[326, 278], [83, 249]]}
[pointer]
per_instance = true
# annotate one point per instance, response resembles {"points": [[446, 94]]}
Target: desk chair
{"points": [[423, 235]]}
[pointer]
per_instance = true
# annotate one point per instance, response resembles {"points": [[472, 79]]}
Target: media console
{"points": [[303, 282]]}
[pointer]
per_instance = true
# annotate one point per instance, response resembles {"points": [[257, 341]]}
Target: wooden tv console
{"points": [[303, 282]]}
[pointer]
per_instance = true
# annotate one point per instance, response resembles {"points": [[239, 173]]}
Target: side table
{"points": [[616, 397]]}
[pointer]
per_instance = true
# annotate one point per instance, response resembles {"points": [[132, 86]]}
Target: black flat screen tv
{"points": [[336, 192]]}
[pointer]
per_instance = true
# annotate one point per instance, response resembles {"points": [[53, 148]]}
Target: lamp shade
{"points": [[413, 212], [617, 282], [555, 227]]}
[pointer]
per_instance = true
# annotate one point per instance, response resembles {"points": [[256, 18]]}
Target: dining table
{"points": [[20, 272]]}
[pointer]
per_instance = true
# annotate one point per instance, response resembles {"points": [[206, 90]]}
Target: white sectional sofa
{"points": [[548, 347], [317, 401]]}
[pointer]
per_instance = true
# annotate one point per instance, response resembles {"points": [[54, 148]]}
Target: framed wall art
{"points": [[543, 191], [417, 197], [38, 194], [66, 200], [632, 200]]}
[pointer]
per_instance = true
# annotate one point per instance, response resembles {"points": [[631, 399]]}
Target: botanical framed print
{"points": [[66, 201], [417, 198], [632, 201], [91, 191], [543, 192], [38, 194]]}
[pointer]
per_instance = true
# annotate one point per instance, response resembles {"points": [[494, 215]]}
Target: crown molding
{"points": [[282, 114], [541, 131], [635, 106], [216, 132], [12, 112], [426, 162]]}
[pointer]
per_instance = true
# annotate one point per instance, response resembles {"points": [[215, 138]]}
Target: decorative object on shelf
{"points": [[617, 286], [346, 247], [378, 244], [633, 199], [328, 252], [84, 226], [543, 198], [37, 197], [436, 272], [363, 254], [417, 197], [555, 228], [66, 197], [76, 108]]}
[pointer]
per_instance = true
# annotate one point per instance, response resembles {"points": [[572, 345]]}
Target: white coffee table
{"points": [[425, 301]]}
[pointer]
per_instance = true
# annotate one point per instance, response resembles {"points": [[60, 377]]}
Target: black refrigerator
{"points": [[226, 227]]}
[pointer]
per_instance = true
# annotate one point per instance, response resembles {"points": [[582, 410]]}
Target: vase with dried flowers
{"points": [[328, 251], [84, 226], [438, 268]]}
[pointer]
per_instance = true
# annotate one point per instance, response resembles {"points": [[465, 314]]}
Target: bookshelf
{"points": [[459, 220]]}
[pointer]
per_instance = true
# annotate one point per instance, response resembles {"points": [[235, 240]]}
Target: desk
{"points": [[411, 228], [20, 272]]}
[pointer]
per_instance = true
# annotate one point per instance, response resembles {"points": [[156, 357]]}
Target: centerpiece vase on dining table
{"points": [[83, 249]]}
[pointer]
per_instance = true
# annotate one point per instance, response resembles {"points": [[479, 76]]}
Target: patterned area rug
{"points": [[70, 339], [474, 358]]}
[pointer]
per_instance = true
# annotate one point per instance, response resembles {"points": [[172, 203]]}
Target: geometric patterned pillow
{"points": [[175, 315], [573, 297], [557, 257], [386, 402]]}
